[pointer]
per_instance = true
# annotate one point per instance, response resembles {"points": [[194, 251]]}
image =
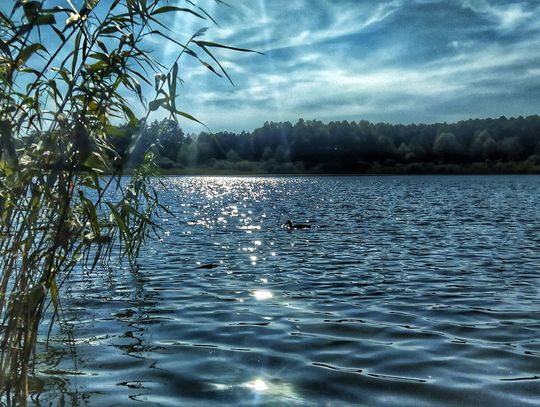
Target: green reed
{"points": [[61, 199]]}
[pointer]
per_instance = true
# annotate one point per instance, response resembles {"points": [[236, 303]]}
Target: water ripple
{"points": [[412, 291]]}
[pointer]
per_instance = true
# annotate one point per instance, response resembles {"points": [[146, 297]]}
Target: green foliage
{"points": [[62, 201], [488, 145], [446, 147], [170, 137]]}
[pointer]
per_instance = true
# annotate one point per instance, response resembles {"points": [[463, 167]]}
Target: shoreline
{"points": [[384, 172]]}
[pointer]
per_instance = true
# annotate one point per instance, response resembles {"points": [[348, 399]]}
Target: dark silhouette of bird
{"points": [[289, 225]]}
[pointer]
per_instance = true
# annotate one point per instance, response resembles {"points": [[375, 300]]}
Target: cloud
{"points": [[397, 61], [268, 26], [507, 16]]}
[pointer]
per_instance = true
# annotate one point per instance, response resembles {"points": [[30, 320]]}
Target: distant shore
{"points": [[475, 146], [255, 168]]}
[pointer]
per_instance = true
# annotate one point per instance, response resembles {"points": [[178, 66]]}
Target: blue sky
{"points": [[397, 61], [391, 61]]}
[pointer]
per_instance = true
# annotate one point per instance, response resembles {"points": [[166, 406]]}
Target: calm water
{"points": [[414, 291]]}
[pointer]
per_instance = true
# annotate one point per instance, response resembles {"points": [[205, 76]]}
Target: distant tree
{"points": [[143, 140], [446, 147], [232, 156], [477, 150], [206, 150], [123, 138], [188, 154], [281, 154], [404, 154], [512, 149], [170, 137], [491, 149], [267, 154], [344, 146]]}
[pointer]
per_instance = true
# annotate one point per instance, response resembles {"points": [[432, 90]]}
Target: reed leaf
{"points": [[64, 205]]}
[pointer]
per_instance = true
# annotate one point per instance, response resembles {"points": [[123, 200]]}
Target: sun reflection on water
{"points": [[261, 295], [272, 390]]}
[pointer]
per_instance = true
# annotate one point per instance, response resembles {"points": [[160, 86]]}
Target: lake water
{"points": [[407, 291]]}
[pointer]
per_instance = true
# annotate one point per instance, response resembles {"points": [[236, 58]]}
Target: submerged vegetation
{"points": [[59, 100], [472, 146]]}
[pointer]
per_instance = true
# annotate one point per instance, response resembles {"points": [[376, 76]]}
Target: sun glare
{"points": [[261, 295], [258, 385]]}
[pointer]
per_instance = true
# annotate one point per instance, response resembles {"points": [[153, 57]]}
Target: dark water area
{"points": [[407, 291]]}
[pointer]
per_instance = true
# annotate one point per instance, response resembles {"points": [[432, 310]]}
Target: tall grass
{"points": [[66, 76]]}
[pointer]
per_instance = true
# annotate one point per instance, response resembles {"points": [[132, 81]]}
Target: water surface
{"points": [[412, 291]]}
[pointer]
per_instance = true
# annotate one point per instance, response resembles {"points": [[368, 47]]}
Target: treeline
{"points": [[311, 146]]}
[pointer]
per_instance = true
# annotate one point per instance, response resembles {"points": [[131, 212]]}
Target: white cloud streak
{"points": [[508, 16], [302, 77], [298, 23]]}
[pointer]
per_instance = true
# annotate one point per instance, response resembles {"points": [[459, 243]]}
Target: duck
{"points": [[208, 266], [296, 226]]}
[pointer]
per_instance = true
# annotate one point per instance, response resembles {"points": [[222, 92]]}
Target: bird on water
{"points": [[296, 226]]}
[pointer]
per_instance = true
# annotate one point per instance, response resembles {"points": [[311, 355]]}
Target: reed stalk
{"points": [[66, 75]]}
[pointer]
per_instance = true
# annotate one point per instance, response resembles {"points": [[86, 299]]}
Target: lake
{"points": [[406, 291]]}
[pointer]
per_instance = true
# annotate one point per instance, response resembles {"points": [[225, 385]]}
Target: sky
{"points": [[396, 61]]}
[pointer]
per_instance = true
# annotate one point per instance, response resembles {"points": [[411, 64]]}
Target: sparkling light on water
{"points": [[261, 295]]}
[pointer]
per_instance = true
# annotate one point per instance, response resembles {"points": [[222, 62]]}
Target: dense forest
{"points": [[310, 146]]}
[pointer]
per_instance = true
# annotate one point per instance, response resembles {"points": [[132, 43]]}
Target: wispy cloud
{"points": [[508, 16], [273, 25], [418, 60]]}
